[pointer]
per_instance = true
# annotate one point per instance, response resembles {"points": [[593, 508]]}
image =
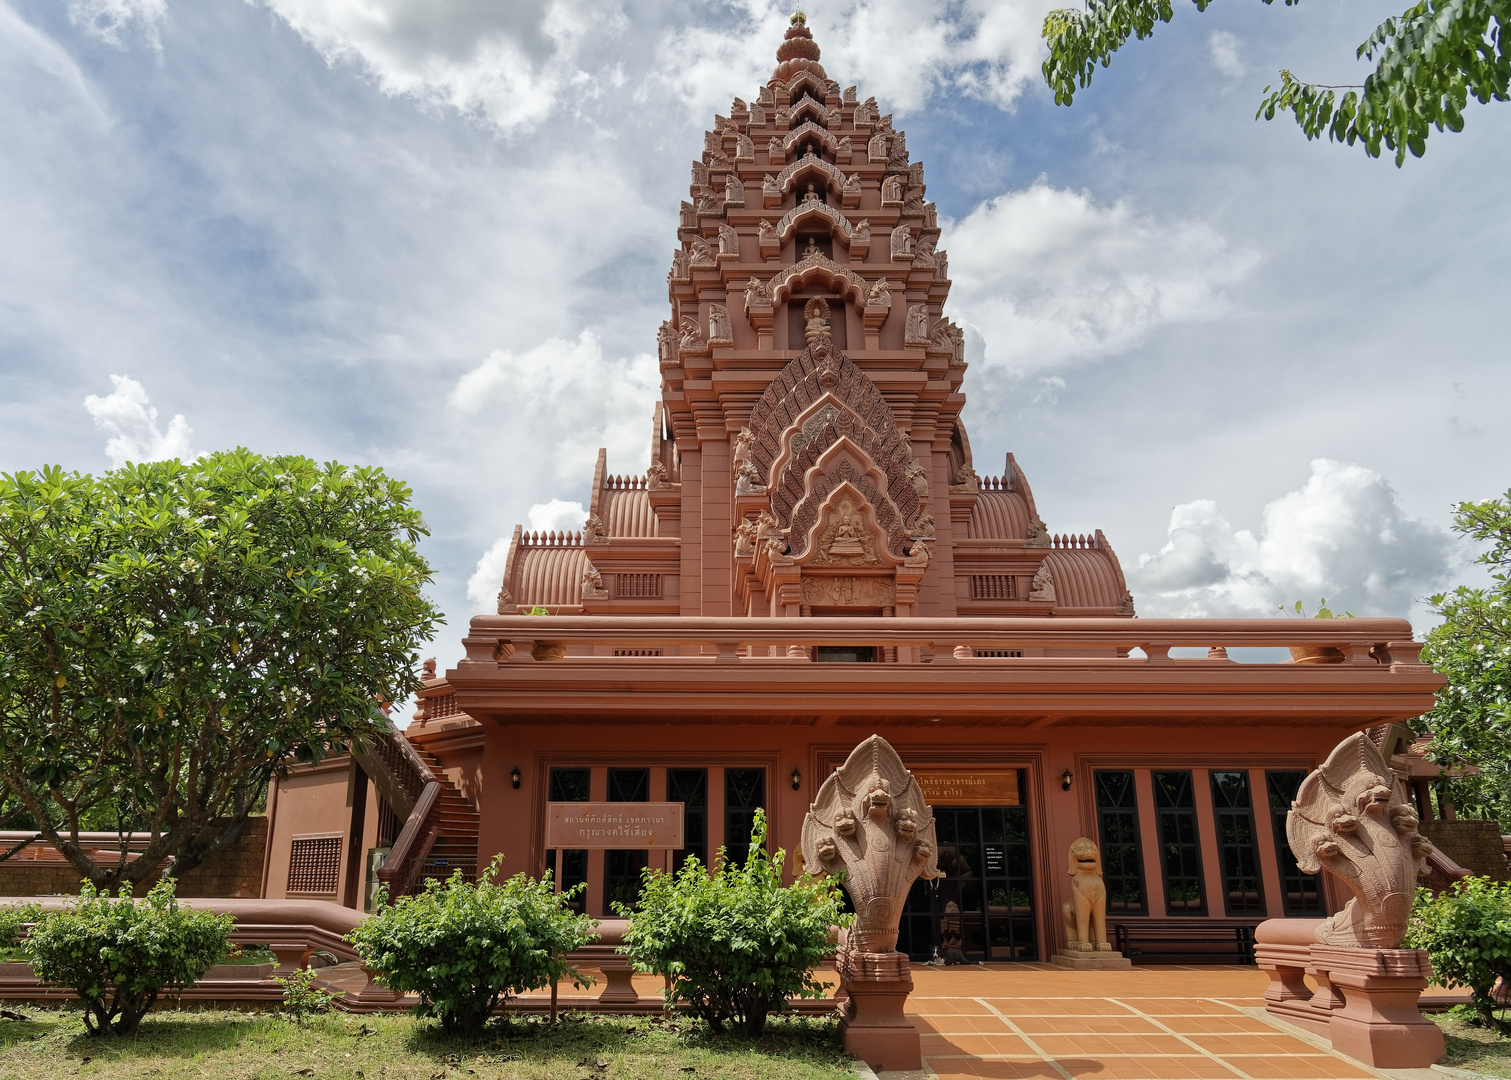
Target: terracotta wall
{"points": [[512, 821], [235, 871], [310, 802], [1474, 845]]}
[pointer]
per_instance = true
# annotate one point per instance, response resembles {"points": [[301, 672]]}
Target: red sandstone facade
{"points": [[810, 556]]}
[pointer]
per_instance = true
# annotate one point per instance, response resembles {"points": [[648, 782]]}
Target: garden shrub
{"points": [[464, 948], [734, 945], [302, 998], [1466, 931], [119, 954], [13, 919]]}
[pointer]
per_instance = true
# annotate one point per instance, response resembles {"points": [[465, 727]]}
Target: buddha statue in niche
{"points": [[816, 321], [849, 531]]}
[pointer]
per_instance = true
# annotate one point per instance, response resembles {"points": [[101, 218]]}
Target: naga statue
{"points": [[1351, 817]]}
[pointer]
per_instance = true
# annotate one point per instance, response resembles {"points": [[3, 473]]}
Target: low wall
{"points": [[1474, 845], [235, 871]]}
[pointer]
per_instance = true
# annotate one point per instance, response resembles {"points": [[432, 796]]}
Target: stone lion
{"points": [[1085, 912]]}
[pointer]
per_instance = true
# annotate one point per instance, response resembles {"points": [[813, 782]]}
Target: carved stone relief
{"points": [[916, 330], [902, 244], [876, 149], [865, 592], [1125, 605], [720, 329], [679, 270], [880, 294], [702, 254], [1037, 534], [666, 345], [592, 584], [593, 531], [691, 340], [816, 321], [845, 540], [918, 554], [891, 191], [729, 243], [734, 191], [918, 476], [1043, 588], [748, 479]]}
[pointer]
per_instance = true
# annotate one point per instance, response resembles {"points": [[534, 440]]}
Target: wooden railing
{"points": [[403, 778]]}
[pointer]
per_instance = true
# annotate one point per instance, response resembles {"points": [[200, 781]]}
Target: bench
{"points": [[1186, 941]]}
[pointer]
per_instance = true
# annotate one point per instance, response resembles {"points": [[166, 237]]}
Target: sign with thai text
{"points": [[578, 825], [968, 787]]}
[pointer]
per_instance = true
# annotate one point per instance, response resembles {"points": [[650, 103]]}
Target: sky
{"points": [[432, 235]]}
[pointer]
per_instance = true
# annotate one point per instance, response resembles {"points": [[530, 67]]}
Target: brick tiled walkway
{"points": [[1003, 1023]]}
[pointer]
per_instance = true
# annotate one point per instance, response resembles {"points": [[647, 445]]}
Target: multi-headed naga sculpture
{"points": [[870, 820], [1351, 817]]}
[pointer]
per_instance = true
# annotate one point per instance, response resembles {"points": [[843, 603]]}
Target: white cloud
{"points": [[107, 19], [1049, 275], [558, 515], [898, 50], [131, 424], [1343, 536], [507, 61], [1225, 51], [565, 399]]}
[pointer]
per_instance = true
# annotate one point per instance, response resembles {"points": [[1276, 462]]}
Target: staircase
{"points": [[455, 846]]}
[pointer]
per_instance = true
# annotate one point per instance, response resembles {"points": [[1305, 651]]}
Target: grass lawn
{"points": [[1471, 1047], [51, 1045]]}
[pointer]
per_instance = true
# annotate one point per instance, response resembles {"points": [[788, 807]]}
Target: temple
{"points": [[810, 555]]}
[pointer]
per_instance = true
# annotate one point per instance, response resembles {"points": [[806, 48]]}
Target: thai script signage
{"points": [[968, 787], [578, 825]]}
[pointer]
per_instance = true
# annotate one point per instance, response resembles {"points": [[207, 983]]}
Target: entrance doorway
{"points": [[983, 907]]}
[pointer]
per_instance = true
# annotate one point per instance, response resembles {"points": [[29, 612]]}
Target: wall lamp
{"points": [[797, 779], [514, 777], [1065, 781]]}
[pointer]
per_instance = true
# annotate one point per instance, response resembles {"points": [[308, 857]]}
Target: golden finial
{"points": [[799, 19]]}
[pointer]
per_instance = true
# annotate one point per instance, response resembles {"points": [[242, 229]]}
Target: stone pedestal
{"points": [[874, 1027], [1380, 1023], [1091, 960]]}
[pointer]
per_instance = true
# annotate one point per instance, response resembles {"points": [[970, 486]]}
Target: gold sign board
{"points": [[968, 787], [578, 825]]}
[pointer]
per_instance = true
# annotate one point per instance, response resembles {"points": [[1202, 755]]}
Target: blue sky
{"points": [[433, 235]]}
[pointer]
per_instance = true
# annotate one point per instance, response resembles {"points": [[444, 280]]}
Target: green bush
{"points": [[119, 954], [13, 919], [1466, 931], [302, 998], [464, 948], [735, 945]]}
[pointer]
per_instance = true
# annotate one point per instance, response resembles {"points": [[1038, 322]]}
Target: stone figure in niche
{"points": [[880, 294], [967, 480], [757, 116], [847, 532], [1043, 588], [942, 265], [916, 329], [748, 479], [1125, 605], [720, 329], [764, 96], [593, 531], [918, 476], [729, 241], [849, 98], [1351, 817], [1037, 534], [709, 203], [734, 191], [744, 148], [902, 243], [870, 821], [679, 271], [745, 537], [924, 526], [812, 249], [700, 177], [666, 344], [891, 190], [702, 254], [1085, 913], [810, 194], [915, 176], [865, 112], [592, 584], [897, 155], [816, 321], [876, 149], [949, 338]]}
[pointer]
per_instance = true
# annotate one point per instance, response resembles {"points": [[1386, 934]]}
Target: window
{"points": [[994, 587], [744, 794], [1179, 847], [315, 864], [1122, 861], [639, 586], [571, 785], [621, 868], [845, 654], [1300, 894], [690, 788], [1237, 843]]}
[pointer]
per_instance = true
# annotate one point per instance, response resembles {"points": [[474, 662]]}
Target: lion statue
{"points": [[1085, 912]]}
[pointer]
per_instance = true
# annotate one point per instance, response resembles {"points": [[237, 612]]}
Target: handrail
{"points": [[395, 767], [401, 870], [1362, 640]]}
